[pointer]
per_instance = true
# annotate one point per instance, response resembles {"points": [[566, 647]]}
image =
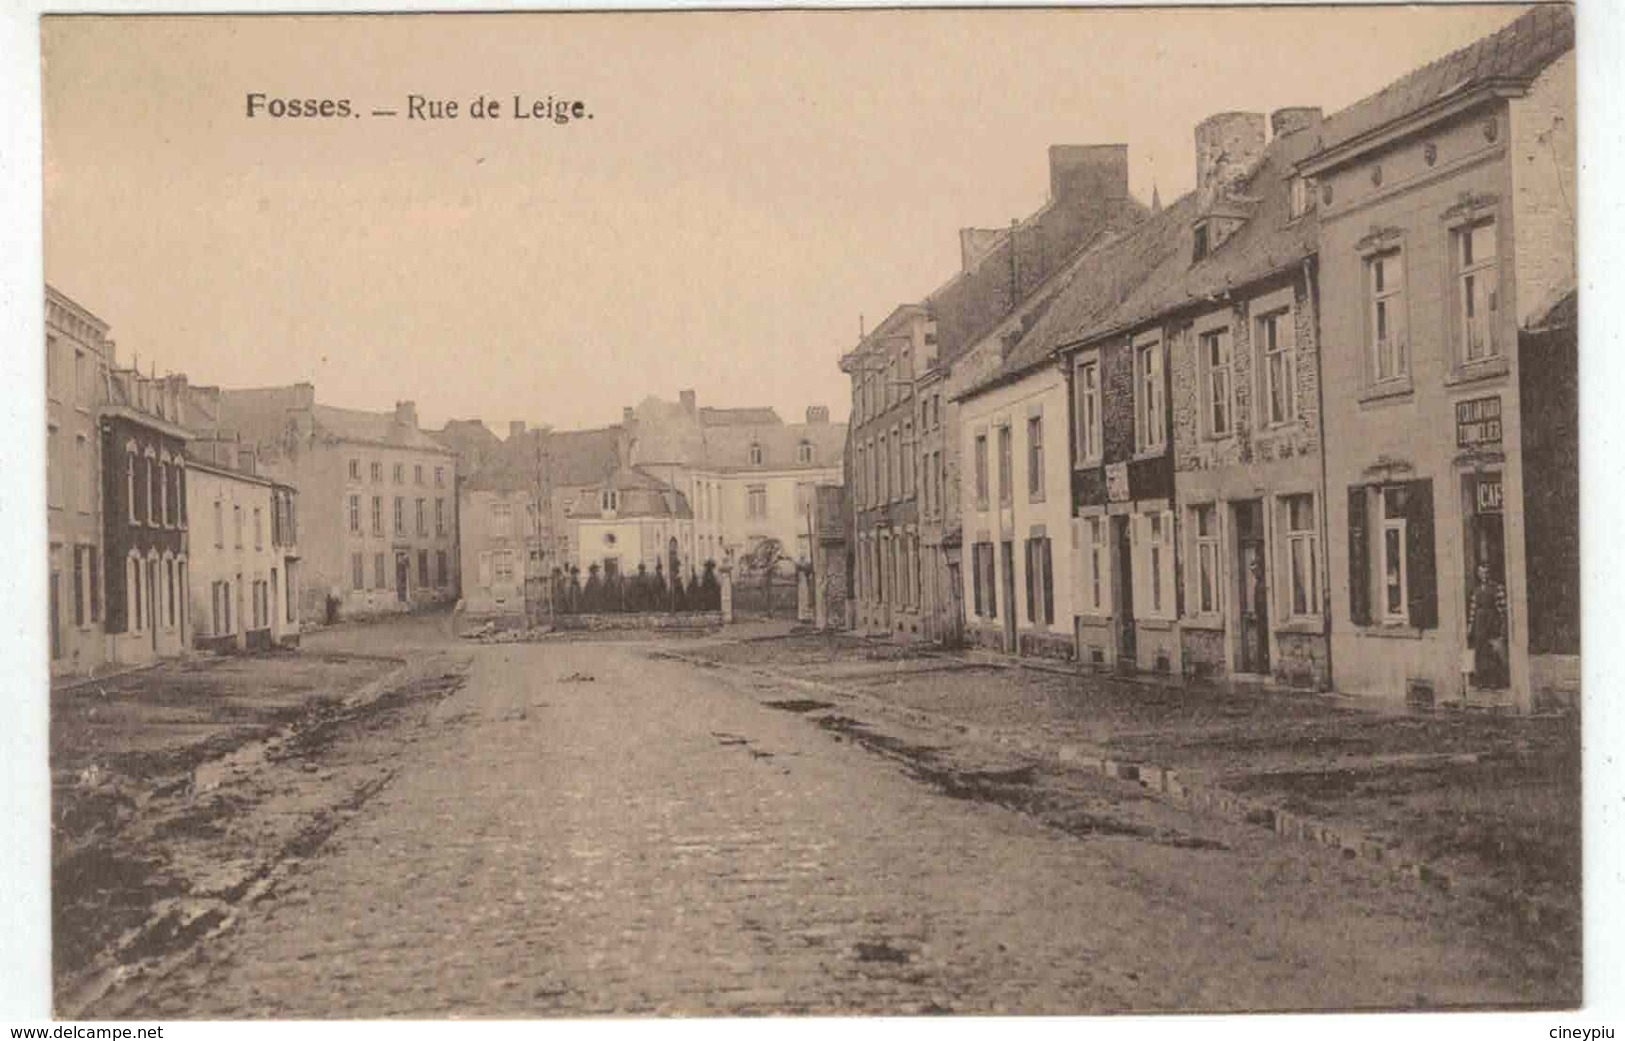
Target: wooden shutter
{"points": [[1420, 571], [976, 576], [1049, 582], [1359, 557], [1032, 578]]}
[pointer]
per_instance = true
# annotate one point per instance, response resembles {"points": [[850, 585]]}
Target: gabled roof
{"points": [[729, 417], [377, 428], [728, 448], [1092, 286], [582, 457], [1513, 56]]}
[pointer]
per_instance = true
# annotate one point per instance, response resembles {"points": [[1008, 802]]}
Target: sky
{"points": [[749, 187]]}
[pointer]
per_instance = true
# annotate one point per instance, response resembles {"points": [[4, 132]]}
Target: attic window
{"points": [[804, 452], [1199, 248], [1302, 196], [755, 454], [610, 501]]}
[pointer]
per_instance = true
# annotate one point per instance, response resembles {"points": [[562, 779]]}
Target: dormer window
{"points": [[804, 452], [1199, 247], [610, 501], [755, 453]]}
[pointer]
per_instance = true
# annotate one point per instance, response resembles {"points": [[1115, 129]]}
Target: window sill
{"points": [[1391, 391], [1090, 463], [1392, 631], [1211, 622], [1474, 372], [1308, 625]]}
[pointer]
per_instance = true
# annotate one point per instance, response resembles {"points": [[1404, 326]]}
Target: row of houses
{"points": [[159, 538], [672, 487], [1315, 422]]}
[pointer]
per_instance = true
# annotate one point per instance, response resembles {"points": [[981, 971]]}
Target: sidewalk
{"points": [[1461, 800]]}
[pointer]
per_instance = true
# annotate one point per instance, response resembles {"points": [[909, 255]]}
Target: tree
{"points": [[765, 556]]}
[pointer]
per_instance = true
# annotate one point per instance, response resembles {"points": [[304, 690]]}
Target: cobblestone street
{"points": [[585, 830]]}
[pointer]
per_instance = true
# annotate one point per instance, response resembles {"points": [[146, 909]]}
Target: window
{"points": [[756, 501], [804, 452], [1275, 340], [755, 454], [377, 472], [355, 514], [219, 525], [1035, 458], [172, 598], [1301, 197], [609, 500], [440, 568], [423, 567], [180, 495], [502, 562], [380, 572], [400, 473], [440, 477], [358, 578], [1157, 550], [355, 469], [1205, 521], [1005, 463], [423, 521], [501, 520], [1095, 529], [129, 482], [1087, 386], [162, 514], [1148, 418], [883, 492], [1477, 291], [1218, 392], [400, 515], [259, 529], [1040, 582], [417, 473], [1153, 564], [440, 516], [981, 471], [906, 450], [87, 494], [96, 583], [1385, 286], [135, 593], [982, 580], [1400, 566], [377, 514], [1199, 244], [1303, 556], [151, 502]]}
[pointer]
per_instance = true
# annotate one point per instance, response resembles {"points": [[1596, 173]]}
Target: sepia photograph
{"points": [[807, 513]]}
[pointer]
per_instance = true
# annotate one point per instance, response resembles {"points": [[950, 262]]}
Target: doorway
{"points": [[1488, 624], [403, 572], [1123, 551], [1007, 561], [1252, 593]]}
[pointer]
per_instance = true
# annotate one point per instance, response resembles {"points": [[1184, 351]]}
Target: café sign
{"points": [[1489, 494], [1478, 422]]}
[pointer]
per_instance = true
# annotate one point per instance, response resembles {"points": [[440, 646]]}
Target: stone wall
{"points": [[647, 620]]}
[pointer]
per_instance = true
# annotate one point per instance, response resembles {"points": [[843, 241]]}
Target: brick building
{"points": [[1447, 260]]}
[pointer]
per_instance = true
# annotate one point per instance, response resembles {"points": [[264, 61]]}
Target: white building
{"points": [[244, 578]]}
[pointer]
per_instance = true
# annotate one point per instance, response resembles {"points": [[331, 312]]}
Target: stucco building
{"points": [[243, 576], [1447, 260], [77, 356], [377, 495]]}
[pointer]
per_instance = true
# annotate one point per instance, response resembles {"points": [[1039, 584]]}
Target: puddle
{"points": [[881, 951], [799, 705]]}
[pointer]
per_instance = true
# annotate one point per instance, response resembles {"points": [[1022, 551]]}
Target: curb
{"points": [[1209, 800]]}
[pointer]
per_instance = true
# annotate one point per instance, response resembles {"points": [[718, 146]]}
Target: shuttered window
{"points": [[1402, 566]]}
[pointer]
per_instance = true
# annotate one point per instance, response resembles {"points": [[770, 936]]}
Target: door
{"points": [[1488, 625], [403, 570], [1253, 591], [1123, 550], [56, 615], [1007, 560]]}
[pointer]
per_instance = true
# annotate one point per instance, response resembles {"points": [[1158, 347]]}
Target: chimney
{"points": [[626, 413], [406, 414], [1284, 121], [1095, 174], [687, 399], [516, 429], [1227, 146], [817, 414]]}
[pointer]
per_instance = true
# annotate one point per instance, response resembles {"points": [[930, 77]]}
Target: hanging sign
{"points": [[1478, 422]]}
